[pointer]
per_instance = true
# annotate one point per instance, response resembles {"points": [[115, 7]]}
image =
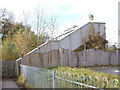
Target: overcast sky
{"points": [[71, 12]]}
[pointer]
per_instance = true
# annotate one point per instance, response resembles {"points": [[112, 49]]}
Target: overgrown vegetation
{"points": [[98, 42], [18, 38], [17, 41], [95, 41], [87, 72], [22, 82]]}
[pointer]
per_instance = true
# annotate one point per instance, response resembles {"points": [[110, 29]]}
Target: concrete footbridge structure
{"points": [[74, 38]]}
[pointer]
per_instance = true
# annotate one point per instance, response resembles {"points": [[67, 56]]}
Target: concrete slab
{"points": [[110, 70], [9, 83]]}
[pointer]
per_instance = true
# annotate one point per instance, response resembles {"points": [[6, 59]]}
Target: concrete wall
{"points": [[93, 57], [52, 45], [66, 57], [73, 40], [113, 57], [76, 39], [8, 69]]}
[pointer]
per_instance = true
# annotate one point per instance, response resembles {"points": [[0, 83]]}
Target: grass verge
{"points": [[87, 72]]}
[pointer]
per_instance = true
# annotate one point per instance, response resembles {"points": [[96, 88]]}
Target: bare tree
{"points": [[6, 21], [10, 16], [25, 20], [41, 23], [6, 14], [52, 25], [3, 12], [25, 17]]}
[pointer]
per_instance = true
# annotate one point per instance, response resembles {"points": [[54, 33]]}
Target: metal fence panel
{"points": [[46, 78]]}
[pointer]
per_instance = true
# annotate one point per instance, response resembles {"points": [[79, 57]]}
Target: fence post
{"points": [[19, 72], [54, 79]]}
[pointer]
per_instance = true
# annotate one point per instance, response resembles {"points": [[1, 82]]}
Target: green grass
{"points": [[73, 74], [86, 72]]}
